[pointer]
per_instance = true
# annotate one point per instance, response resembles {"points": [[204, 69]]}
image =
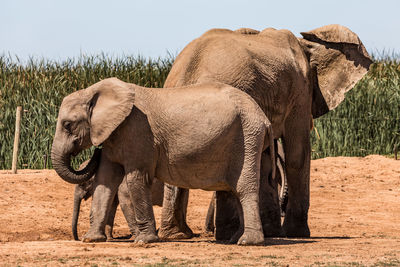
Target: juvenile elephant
{"points": [[208, 136], [85, 191], [293, 80]]}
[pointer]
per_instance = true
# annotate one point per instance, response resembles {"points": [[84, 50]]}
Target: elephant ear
{"points": [[341, 60], [111, 103]]}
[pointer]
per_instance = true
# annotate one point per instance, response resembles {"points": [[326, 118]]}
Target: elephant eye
{"points": [[67, 126]]}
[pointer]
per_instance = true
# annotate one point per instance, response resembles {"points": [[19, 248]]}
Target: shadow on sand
{"points": [[276, 241], [273, 241]]}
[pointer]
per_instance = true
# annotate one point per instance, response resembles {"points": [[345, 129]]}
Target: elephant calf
{"points": [[85, 191], [208, 136]]}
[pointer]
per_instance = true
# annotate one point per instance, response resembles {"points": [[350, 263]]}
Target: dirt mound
{"points": [[354, 220]]}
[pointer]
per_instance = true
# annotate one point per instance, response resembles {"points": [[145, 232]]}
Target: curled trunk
{"points": [[62, 165]]}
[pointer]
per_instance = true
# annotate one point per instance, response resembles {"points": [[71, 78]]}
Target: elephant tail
{"points": [[270, 137]]}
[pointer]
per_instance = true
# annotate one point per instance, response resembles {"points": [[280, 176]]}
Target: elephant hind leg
{"points": [[173, 218], [210, 218], [247, 191], [252, 234], [139, 186], [297, 149]]}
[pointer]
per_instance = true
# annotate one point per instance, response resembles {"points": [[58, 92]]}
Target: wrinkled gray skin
{"points": [[209, 136], [293, 80], [85, 190], [231, 228]]}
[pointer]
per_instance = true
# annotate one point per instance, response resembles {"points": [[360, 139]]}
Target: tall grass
{"points": [[367, 122], [40, 85]]}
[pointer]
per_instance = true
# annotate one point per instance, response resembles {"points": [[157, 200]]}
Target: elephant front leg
{"points": [[139, 185], [173, 218], [105, 189], [101, 204], [297, 149]]}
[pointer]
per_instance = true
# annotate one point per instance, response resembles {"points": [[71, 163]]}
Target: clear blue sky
{"points": [[61, 29]]}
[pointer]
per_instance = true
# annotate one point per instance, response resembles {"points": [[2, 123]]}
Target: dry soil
{"points": [[354, 220]]}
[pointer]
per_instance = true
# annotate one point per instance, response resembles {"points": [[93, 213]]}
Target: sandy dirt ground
{"points": [[354, 220]]}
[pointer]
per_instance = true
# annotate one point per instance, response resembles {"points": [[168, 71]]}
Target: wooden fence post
{"points": [[44, 161], [16, 139], [395, 152]]}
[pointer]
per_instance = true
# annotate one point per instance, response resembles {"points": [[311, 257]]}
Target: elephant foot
{"points": [[135, 232], [235, 237], [291, 230], [94, 237], [146, 238], [251, 238], [175, 233]]}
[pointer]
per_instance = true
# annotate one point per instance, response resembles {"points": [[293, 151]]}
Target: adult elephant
{"points": [[293, 80], [85, 190]]}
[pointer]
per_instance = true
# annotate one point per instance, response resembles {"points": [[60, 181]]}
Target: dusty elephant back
{"points": [[330, 60], [209, 57], [267, 75]]}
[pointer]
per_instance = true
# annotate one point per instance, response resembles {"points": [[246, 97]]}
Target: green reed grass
{"points": [[367, 122], [39, 87]]}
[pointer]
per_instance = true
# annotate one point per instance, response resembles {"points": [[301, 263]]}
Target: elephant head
{"points": [[338, 61], [88, 117]]}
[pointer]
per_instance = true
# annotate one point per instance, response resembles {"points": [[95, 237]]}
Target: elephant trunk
{"points": [[62, 165], [75, 214]]}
